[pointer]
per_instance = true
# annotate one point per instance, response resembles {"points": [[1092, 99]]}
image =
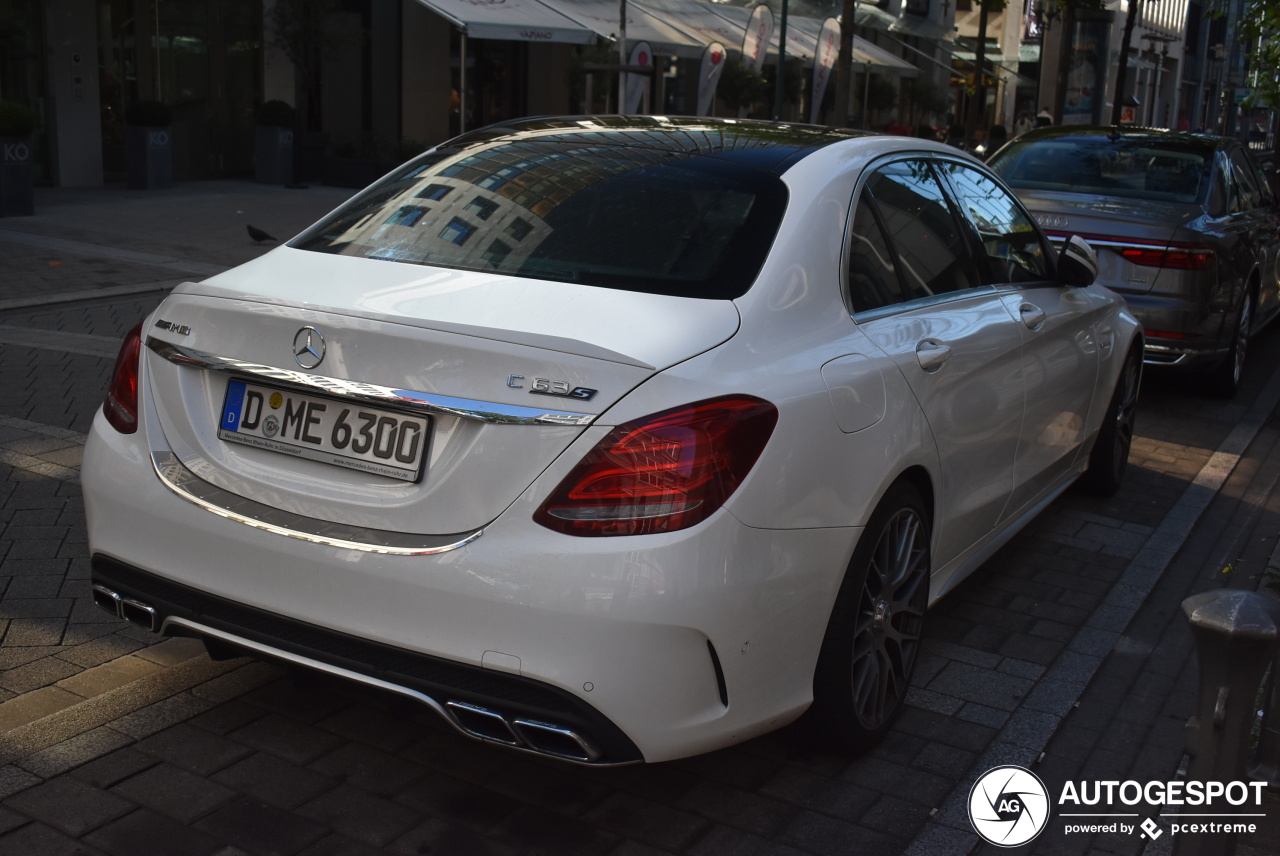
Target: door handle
{"points": [[1032, 316], [932, 354]]}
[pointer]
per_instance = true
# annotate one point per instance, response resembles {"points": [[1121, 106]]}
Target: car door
{"points": [[1256, 213], [1058, 325], [914, 292]]}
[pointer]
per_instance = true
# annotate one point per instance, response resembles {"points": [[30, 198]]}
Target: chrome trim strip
{"points": [[424, 402], [358, 677], [224, 503]]}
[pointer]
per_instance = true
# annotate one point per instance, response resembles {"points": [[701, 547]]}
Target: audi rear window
{"points": [[1138, 168], [607, 210]]}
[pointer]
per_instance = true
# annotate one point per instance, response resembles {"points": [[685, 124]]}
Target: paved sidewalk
{"points": [[1066, 652]]}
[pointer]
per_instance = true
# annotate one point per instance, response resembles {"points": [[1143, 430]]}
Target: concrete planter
{"points": [[17, 177], [273, 155], [150, 156]]}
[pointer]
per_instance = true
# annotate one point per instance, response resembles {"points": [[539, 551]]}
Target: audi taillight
{"points": [[1176, 258], [664, 472], [1164, 254], [121, 406]]}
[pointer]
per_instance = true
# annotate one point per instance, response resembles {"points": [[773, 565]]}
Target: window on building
{"points": [[481, 209], [409, 215], [457, 231]]}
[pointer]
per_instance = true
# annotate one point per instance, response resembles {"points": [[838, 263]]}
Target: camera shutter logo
{"points": [[1008, 806]]}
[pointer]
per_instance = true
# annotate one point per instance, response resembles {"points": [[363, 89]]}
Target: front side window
{"points": [[924, 232], [1242, 170], [1012, 249]]}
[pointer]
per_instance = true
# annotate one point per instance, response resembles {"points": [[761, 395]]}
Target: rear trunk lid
{"points": [[496, 374], [1110, 224]]}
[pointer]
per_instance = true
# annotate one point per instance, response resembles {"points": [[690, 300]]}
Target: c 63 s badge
{"points": [[545, 386]]}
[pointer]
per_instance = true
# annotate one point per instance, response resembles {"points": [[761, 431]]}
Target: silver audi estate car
{"points": [[613, 439], [1185, 226]]}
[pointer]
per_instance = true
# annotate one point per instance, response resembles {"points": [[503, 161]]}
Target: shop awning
{"points": [[512, 20], [697, 18], [865, 54], [601, 17]]}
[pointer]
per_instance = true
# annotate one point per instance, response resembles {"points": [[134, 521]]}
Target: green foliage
{"points": [[881, 94], [275, 114], [148, 114], [16, 119], [791, 81], [1260, 28], [741, 86]]}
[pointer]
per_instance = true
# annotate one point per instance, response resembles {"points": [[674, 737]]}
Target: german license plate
{"points": [[352, 435]]}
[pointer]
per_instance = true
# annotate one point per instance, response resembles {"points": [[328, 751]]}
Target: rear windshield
{"points": [[1132, 168], [574, 209]]}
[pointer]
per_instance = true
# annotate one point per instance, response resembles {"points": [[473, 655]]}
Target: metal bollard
{"points": [[1265, 766], [1236, 635]]}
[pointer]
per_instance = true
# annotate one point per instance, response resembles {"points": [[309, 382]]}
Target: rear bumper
{"points": [[647, 647], [1207, 331]]}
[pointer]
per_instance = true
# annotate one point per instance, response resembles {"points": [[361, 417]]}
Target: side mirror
{"points": [[1077, 262]]}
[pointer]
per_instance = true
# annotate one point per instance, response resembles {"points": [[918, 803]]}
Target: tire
{"points": [[1110, 456], [1224, 381], [869, 651]]}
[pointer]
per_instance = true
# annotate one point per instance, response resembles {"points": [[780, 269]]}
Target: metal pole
{"points": [[462, 84], [782, 65], [622, 55]]}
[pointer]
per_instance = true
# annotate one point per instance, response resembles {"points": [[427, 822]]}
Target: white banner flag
{"points": [[755, 43], [709, 77], [637, 83], [823, 61]]}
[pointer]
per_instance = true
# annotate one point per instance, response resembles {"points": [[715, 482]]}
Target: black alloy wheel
{"points": [[873, 638], [1224, 381], [1110, 456]]}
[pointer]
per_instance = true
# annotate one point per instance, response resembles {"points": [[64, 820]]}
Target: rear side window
{"points": [[922, 229], [595, 212], [873, 278]]}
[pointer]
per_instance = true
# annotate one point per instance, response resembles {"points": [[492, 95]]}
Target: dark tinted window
{"points": [[873, 279], [653, 213], [1140, 168], [1011, 244], [922, 228]]}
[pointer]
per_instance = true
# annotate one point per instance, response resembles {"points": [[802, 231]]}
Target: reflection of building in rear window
{"points": [[457, 231], [519, 228], [409, 215], [434, 191], [496, 253], [481, 209]]}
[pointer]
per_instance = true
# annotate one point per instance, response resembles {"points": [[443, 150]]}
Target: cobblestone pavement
{"points": [[1066, 652]]}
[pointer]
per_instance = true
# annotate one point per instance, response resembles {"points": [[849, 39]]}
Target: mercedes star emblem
{"points": [[308, 347]]}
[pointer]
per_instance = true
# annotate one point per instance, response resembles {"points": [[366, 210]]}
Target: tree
{"points": [[1260, 28], [979, 103]]}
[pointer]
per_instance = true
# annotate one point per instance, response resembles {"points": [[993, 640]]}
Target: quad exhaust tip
{"points": [[541, 737], [533, 735], [133, 611]]}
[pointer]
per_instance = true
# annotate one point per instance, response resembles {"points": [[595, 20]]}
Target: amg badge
{"points": [[543, 386]]}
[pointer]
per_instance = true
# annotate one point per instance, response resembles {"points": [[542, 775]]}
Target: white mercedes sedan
{"points": [[613, 439]]}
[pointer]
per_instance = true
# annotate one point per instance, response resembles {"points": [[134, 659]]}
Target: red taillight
{"points": [[121, 406], [1166, 254], [665, 472], [1177, 258]]}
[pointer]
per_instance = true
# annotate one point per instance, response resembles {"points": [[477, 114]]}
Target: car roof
{"points": [[772, 146]]}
